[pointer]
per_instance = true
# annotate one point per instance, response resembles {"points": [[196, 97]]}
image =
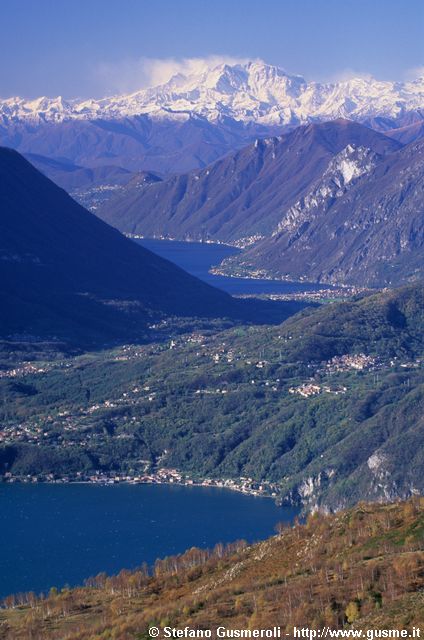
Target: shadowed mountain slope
{"points": [[65, 273]]}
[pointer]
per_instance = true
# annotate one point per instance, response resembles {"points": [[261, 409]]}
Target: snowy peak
{"points": [[248, 92], [251, 79]]}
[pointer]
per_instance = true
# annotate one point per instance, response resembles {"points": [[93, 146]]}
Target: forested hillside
{"points": [[360, 569], [328, 406]]}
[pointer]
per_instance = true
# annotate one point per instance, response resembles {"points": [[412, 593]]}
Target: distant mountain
{"points": [[333, 202], [244, 195], [90, 187], [71, 177], [365, 228], [142, 180], [173, 143], [65, 273], [249, 92], [191, 121], [408, 133]]}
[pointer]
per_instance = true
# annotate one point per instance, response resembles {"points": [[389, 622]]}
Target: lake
{"points": [[52, 534], [198, 257]]}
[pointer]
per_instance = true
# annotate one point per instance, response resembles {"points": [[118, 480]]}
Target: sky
{"points": [[91, 48]]}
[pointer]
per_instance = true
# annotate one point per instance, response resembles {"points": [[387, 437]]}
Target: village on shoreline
{"points": [[245, 485]]}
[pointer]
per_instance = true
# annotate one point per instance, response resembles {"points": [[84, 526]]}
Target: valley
{"points": [[211, 292], [200, 260], [287, 405]]}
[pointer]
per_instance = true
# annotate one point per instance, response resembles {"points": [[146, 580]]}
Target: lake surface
{"points": [[198, 257], [52, 535]]}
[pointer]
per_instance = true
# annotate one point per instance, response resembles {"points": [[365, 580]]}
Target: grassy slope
{"points": [[368, 561]]}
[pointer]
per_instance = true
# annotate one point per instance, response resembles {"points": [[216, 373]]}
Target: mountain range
{"points": [[337, 201], [365, 228], [333, 202], [243, 196], [249, 92], [190, 121]]}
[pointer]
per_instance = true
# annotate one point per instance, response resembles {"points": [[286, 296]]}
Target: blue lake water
{"points": [[198, 257], [52, 535]]}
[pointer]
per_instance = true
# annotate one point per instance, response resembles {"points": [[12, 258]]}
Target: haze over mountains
{"points": [[71, 176]]}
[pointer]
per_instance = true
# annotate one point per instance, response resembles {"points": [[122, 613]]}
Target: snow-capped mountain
{"points": [[193, 120], [251, 92]]}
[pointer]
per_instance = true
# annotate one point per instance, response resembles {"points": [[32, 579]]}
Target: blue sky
{"points": [[98, 47]]}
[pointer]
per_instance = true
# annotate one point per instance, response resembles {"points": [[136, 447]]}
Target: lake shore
{"points": [[205, 259], [247, 486], [57, 533]]}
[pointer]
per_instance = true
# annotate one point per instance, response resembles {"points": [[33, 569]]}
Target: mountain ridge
{"points": [[333, 202], [241, 195], [191, 121], [252, 91], [371, 235]]}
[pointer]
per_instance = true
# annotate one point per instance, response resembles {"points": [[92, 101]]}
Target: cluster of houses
{"points": [[10, 434], [358, 361], [312, 389], [161, 476], [320, 295], [243, 485], [24, 370]]}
